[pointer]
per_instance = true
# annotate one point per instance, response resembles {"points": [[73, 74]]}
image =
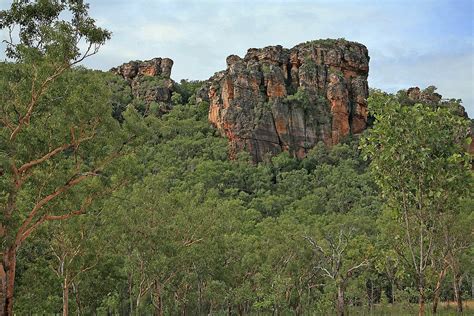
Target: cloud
{"points": [[410, 42], [160, 33], [453, 74]]}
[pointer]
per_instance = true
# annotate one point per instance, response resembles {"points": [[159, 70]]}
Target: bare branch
{"points": [[314, 244], [329, 274], [35, 162], [363, 263], [188, 243]]}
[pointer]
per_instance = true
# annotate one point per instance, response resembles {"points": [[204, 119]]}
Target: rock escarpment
{"points": [[149, 80], [277, 99]]}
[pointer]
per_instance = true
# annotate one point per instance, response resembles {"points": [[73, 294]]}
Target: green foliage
{"points": [[175, 227], [211, 233], [43, 33], [187, 89], [176, 98], [419, 151], [419, 161], [121, 95], [309, 65], [299, 99], [223, 227], [329, 42], [76, 109], [266, 69]]}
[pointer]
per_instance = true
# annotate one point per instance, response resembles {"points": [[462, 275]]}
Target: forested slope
{"points": [[120, 195]]}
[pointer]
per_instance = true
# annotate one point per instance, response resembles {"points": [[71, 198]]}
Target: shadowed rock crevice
{"points": [[280, 142]]}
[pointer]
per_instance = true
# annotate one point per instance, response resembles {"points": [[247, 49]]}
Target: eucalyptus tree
{"points": [[56, 133], [419, 161], [342, 249], [75, 249]]}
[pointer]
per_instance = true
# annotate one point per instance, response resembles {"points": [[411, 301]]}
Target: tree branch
{"points": [[314, 244], [34, 99], [45, 218], [363, 263], [52, 153], [72, 182]]}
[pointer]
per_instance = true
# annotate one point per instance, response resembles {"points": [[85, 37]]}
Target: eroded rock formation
{"points": [[426, 96], [149, 80], [277, 99]]}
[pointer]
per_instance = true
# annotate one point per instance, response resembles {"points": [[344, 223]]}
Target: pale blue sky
{"points": [[411, 43]]}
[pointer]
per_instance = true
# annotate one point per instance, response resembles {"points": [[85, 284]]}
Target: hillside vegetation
{"points": [[114, 205]]}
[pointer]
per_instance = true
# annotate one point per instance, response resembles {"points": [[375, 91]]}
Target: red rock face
{"points": [[156, 67], [150, 79], [276, 99], [338, 97]]}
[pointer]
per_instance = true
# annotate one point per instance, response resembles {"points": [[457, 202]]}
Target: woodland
{"points": [[111, 207]]}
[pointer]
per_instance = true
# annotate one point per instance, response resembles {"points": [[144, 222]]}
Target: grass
{"points": [[444, 309]]}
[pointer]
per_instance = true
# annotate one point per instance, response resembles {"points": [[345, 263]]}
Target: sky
{"points": [[411, 43]]}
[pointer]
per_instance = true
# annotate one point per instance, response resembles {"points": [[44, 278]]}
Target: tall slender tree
{"points": [[419, 161], [55, 123]]}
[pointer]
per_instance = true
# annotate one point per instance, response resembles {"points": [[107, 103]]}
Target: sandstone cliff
{"points": [[277, 99], [149, 80]]}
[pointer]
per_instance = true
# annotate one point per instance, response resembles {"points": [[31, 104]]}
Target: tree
{"points": [[75, 250], [176, 98], [55, 126], [418, 160], [341, 249], [284, 279], [457, 242]]}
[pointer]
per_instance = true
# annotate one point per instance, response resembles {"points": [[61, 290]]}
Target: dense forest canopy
{"points": [[114, 205]]}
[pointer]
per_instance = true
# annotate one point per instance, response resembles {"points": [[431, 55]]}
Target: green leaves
{"points": [[418, 159], [410, 147], [43, 34]]}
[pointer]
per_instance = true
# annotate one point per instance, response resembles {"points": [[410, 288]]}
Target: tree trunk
{"points": [[437, 290], [340, 300], [159, 300], [199, 297], [130, 293], [65, 298], [457, 292], [421, 298], [472, 288], [392, 285], [240, 310], [371, 301], [3, 285], [78, 300], [7, 277]]}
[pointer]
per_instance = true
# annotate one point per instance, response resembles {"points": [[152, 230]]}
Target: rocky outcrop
{"points": [[426, 96], [430, 97], [277, 99], [149, 80]]}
